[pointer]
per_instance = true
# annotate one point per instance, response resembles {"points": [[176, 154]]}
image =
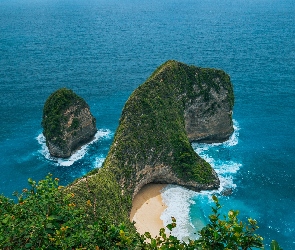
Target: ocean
{"points": [[104, 49]]}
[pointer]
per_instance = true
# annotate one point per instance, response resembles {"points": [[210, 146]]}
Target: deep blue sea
{"points": [[104, 49]]}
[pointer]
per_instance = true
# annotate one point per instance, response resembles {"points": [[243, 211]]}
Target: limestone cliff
{"points": [[176, 105], [67, 123], [208, 115]]}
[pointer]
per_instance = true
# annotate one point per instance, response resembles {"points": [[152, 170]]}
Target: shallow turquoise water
{"points": [[104, 49]]}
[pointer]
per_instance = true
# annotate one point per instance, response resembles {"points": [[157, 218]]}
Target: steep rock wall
{"points": [[208, 116]]}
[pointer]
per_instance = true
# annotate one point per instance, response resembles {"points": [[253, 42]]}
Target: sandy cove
{"points": [[147, 207]]}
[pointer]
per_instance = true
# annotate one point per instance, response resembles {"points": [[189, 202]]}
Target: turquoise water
{"points": [[104, 49]]}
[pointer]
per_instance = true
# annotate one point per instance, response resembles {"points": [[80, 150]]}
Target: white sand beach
{"points": [[147, 207]]}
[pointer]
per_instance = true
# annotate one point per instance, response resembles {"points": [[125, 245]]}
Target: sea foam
{"points": [[179, 200], [78, 154], [225, 169], [99, 161]]}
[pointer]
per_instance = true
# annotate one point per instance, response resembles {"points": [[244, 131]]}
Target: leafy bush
{"points": [[46, 217], [229, 233]]}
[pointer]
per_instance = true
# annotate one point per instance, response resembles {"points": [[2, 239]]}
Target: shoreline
{"points": [[147, 208]]}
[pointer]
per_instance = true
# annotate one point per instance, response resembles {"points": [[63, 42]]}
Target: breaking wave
{"points": [[180, 200], [79, 154]]}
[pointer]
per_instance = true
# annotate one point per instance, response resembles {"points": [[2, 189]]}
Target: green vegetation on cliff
{"points": [[53, 114], [105, 193], [67, 123]]}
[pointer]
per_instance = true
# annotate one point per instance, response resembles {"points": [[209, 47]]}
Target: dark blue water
{"points": [[103, 49]]}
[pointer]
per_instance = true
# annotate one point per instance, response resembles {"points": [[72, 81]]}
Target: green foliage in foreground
{"points": [[229, 233], [45, 217]]}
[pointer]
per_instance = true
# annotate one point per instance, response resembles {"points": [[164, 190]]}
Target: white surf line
{"points": [[179, 199], [79, 154]]}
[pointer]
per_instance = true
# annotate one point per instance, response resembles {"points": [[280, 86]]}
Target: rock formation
{"points": [[176, 105], [67, 123], [208, 116]]}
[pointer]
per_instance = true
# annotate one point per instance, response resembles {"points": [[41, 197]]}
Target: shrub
{"points": [[46, 217]]}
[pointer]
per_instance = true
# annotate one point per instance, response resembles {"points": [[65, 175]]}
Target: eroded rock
{"points": [[175, 106], [178, 104], [67, 123]]}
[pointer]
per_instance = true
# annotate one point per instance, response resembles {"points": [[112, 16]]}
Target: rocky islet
{"points": [[67, 123]]}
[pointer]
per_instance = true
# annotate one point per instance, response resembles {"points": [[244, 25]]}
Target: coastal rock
{"points": [[177, 104], [67, 123], [152, 141], [227, 192], [208, 117]]}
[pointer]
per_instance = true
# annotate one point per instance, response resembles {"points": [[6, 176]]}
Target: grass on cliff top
{"points": [[105, 195], [53, 112]]}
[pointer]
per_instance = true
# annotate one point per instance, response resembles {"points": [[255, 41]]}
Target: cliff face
{"points": [[67, 123], [208, 116]]}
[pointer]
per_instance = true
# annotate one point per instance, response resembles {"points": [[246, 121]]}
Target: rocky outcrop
{"points": [[178, 104], [208, 117], [165, 175], [67, 123]]}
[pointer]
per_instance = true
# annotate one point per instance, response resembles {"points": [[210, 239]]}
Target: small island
{"points": [[67, 123]]}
